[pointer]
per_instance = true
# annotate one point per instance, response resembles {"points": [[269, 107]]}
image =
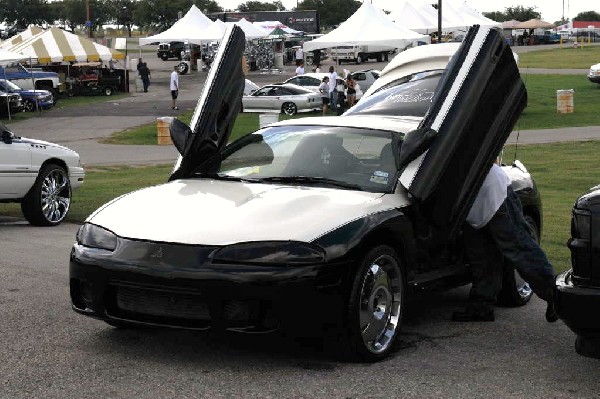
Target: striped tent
{"points": [[32, 30], [57, 45]]}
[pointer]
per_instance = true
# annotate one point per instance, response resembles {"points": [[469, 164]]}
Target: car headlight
{"points": [[90, 235], [271, 252]]}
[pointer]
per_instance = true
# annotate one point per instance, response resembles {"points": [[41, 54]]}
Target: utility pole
{"points": [[88, 21], [439, 32]]}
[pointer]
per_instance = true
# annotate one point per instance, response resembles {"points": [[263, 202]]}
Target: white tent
{"points": [[189, 28], [450, 20], [465, 10], [31, 30], [367, 26], [414, 18], [214, 32], [270, 26], [250, 30], [9, 57]]}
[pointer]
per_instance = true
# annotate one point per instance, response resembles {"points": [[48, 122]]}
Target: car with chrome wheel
{"points": [[284, 98], [31, 100], [313, 225], [40, 176]]}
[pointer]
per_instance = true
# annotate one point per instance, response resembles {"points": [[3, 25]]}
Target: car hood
{"points": [[183, 211], [32, 93], [42, 144]]}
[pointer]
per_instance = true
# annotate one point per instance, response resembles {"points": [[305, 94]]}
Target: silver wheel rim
{"points": [[289, 109], [29, 106], [56, 196], [380, 303]]}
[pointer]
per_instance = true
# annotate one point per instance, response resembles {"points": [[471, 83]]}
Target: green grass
{"points": [[565, 58], [563, 171]]}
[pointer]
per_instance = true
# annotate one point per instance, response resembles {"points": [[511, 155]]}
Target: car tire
{"points": [[375, 307], [339, 62], [289, 108], [380, 57], [515, 291], [182, 68], [164, 57], [29, 105], [359, 59], [48, 201], [107, 91]]}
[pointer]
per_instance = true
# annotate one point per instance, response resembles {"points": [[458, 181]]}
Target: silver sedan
{"points": [[286, 98]]}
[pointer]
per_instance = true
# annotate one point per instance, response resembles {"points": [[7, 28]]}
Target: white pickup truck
{"points": [[359, 54], [32, 79]]}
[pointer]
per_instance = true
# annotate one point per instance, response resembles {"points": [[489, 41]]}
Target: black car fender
{"points": [[352, 240]]}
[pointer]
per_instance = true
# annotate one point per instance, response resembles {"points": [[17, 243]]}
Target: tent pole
{"points": [[7, 102], [439, 33]]}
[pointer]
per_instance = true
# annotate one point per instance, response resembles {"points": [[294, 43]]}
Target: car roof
{"points": [[396, 124]]}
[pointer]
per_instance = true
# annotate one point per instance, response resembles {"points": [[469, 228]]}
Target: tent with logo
{"points": [[367, 26], [57, 45], [270, 26], [189, 28], [31, 30]]}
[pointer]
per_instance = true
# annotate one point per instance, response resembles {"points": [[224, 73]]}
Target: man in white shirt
{"points": [[332, 89], [496, 229], [300, 69], [174, 86], [299, 55]]}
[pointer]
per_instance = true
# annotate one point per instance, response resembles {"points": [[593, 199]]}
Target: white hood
{"points": [[212, 212]]}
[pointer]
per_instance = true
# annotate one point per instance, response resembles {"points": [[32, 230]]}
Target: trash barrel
{"points": [[162, 129], [564, 101], [267, 119]]}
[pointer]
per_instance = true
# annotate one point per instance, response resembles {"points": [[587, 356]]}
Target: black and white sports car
{"points": [[322, 222]]}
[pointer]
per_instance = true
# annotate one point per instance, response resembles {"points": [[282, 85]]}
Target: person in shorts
{"points": [[324, 90], [174, 85]]}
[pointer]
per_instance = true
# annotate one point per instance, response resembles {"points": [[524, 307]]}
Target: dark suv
{"points": [[578, 289], [170, 50]]}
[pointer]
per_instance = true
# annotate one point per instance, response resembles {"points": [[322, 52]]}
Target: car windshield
{"points": [[408, 96], [339, 157], [9, 86]]}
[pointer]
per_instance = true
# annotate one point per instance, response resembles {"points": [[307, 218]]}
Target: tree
{"points": [[587, 16], [331, 12], [250, 6], [120, 12], [497, 16], [521, 13], [24, 12], [162, 14]]}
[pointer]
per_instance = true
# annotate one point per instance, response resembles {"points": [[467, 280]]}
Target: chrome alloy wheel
{"points": [[380, 303], [55, 196]]}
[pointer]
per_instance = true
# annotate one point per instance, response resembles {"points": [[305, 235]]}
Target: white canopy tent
{"points": [[367, 26], [466, 10], [270, 26], [214, 32], [413, 17], [189, 28], [31, 30], [455, 17], [250, 30]]}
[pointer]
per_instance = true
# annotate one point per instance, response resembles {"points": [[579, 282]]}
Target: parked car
{"points": [[10, 103], [577, 299], [169, 50], [325, 223], [286, 98], [594, 74], [366, 77], [39, 175], [32, 78], [31, 99], [312, 81]]}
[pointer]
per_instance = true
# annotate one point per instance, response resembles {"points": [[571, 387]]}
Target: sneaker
{"points": [[470, 314]]}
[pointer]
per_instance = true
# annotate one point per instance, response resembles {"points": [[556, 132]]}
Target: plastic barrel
{"points": [[564, 101]]}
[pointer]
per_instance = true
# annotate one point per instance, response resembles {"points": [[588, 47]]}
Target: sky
{"points": [[551, 10]]}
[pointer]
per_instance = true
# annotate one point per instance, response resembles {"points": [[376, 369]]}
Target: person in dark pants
{"points": [[145, 75], [496, 229]]}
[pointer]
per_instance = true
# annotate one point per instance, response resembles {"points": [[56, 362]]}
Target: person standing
{"points": [[174, 85], [299, 55], [496, 229], [324, 90], [351, 91], [145, 75], [300, 69], [333, 76]]}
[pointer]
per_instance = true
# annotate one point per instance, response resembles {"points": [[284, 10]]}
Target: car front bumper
{"points": [[246, 298], [594, 78], [578, 306]]}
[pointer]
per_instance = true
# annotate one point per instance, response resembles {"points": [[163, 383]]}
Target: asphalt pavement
{"points": [[80, 128]]}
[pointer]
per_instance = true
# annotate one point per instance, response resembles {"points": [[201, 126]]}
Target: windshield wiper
{"points": [[218, 176], [311, 180]]}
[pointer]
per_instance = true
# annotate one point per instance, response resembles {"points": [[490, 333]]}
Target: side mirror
{"points": [[7, 136], [179, 134]]}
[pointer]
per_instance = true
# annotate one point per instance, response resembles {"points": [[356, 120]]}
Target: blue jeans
{"points": [[333, 97], [509, 232]]}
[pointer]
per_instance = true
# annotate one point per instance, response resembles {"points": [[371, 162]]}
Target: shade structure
{"points": [[367, 26], [450, 20], [475, 16], [189, 28], [57, 45], [270, 26], [411, 16], [214, 32], [533, 24], [512, 24], [31, 30], [250, 30], [9, 57]]}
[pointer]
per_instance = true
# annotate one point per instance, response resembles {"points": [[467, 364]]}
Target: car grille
{"points": [[145, 304]]}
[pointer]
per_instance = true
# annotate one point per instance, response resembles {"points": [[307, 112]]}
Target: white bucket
{"points": [[267, 119], [564, 101]]}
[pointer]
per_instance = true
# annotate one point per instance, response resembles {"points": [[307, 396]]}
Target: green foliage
{"points": [[518, 13], [587, 16], [23, 12], [252, 5], [497, 16], [331, 12]]}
